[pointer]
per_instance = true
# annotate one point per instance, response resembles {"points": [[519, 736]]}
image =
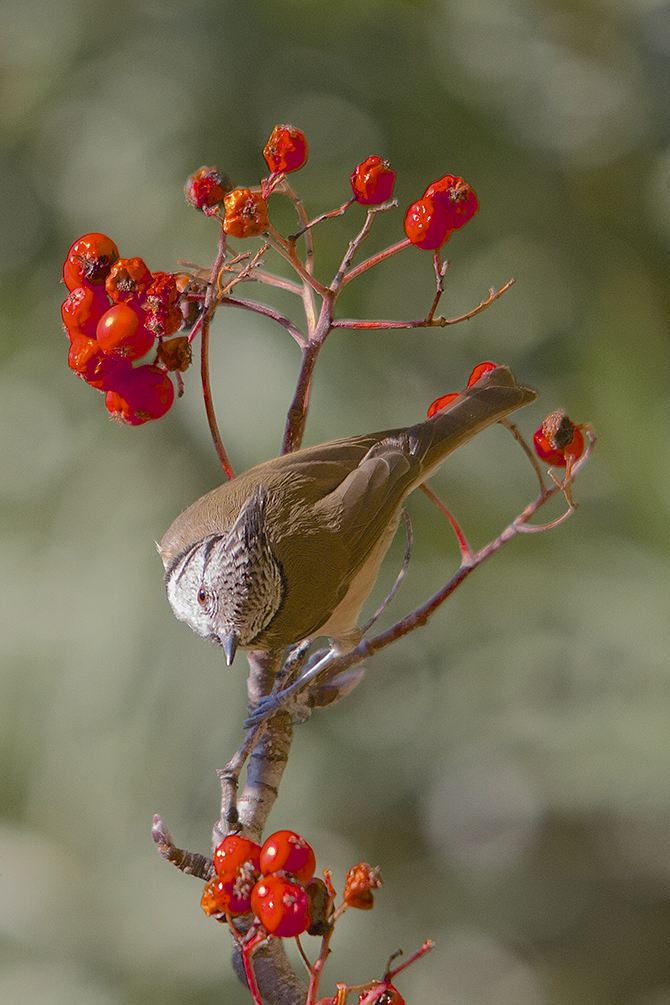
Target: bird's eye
{"points": [[202, 596]]}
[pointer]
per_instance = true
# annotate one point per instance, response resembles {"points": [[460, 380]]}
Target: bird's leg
{"points": [[292, 665]]}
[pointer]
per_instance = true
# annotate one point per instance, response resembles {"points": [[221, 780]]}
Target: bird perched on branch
{"points": [[290, 549]]}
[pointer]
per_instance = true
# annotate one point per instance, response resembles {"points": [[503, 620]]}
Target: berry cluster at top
{"points": [[118, 311], [446, 205]]}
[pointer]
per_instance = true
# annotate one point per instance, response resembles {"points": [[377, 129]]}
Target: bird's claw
{"points": [[293, 704]]}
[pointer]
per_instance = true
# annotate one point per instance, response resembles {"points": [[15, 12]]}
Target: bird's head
{"points": [[228, 587]]}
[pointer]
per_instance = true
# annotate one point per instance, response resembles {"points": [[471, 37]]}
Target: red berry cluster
{"points": [[274, 881], [446, 399], [558, 440], [113, 314], [447, 205]]}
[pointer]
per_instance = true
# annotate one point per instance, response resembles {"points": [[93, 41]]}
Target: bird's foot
{"points": [[294, 698]]}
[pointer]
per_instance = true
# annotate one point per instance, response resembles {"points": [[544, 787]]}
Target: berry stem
{"points": [[319, 219], [375, 259], [209, 307], [463, 543], [425, 948], [287, 251], [343, 275], [209, 403], [268, 312]]}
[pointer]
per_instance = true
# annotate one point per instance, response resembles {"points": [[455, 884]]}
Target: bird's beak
{"points": [[229, 643]]}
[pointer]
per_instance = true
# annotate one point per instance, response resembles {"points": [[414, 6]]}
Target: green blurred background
{"points": [[508, 765]]}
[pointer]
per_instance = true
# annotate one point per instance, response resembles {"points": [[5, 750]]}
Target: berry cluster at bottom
{"points": [[274, 881]]}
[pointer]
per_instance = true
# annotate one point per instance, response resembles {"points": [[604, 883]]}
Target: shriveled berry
{"points": [[147, 393], [246, 213], [286, 150], [289, 852], [128, 280], [175, 354], [206, 187], [558, 440], [427, 224], [89, 260], [281, 905], [372, 181], [456, 196], [122, 333], [319, 902], [359, 884]]}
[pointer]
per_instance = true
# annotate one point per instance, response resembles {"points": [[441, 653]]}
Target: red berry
{"points": [[234, 852], [479, 371], [89, 260], [146, 393], [127, 280], [232, 890], [427, 224], [206, 187], [372, 181], [441, 403], [122, 334], [88, 360], [286, 851], [456, 196], [281, 905], [82, 309], [286, 150], [246, 213]]}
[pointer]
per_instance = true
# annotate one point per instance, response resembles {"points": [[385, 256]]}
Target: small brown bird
{"points": [[290, 549]]}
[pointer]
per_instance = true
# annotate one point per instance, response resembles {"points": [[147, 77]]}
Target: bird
{"points": [[289, 550]]}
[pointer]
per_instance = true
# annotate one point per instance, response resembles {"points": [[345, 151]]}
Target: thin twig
{"points": [[399, 578], [428, 321], [324, 216], [354, 245], [186, 861], [268, 312], [463, 543], [381, 256]]}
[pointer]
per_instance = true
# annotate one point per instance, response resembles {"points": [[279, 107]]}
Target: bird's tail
{"points": [[490, 399]]}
